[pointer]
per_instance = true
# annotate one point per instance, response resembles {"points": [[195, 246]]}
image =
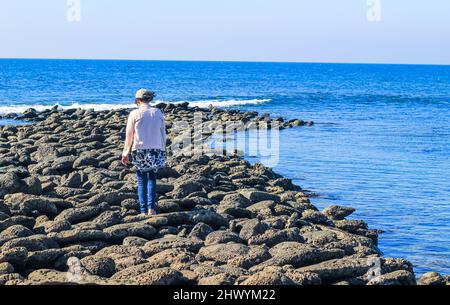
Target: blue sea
{"points": [[380, 143]]}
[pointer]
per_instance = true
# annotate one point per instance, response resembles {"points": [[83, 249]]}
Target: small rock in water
{"points": [[338, 212], [432, 278]]}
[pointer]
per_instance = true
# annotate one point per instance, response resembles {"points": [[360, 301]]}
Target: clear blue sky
{"points": [[410, 31]]}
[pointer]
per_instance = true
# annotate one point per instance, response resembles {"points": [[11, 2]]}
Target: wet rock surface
{"points": [[69, 213]]}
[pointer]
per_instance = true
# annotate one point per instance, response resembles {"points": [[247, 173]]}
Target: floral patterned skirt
{"points": [[147, 160]]}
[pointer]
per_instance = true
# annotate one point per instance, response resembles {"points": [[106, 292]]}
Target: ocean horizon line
{"points": [[228, 61]]}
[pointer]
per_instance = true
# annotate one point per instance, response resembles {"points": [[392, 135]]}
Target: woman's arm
{"points": [[163, 130], [128, 138]]}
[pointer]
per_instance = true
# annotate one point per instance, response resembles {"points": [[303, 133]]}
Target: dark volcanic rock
{"points": [[6, 268], [399, 277], [258, 196], [432, 278], [338, 212], [107, 219], [171, 242], [299, 255], [15, 256], [75, 236], [9, 183], [162, 276], [76, 215], [120, 231], [101, 266], [185, 187], [268, 278], [274, 237], [28, 203], [252, 228], [200, 231], [85, 161], [218, 280], [66, 199], [17, 220], [134, 241], [222, 237], [13, 232], [41, 259], [32, 243], [339, 269], [222, 253]]}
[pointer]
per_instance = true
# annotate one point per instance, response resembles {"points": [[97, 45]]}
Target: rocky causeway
{"points": [[69, 212]]}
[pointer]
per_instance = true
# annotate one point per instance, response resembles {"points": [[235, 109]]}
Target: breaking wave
{"points": [[99, 107]]}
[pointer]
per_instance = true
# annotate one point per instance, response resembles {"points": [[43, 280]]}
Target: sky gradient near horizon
{"points": [[410, 31]]}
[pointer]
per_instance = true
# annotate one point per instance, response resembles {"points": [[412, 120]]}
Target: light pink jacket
{"points": [[146, 129]]}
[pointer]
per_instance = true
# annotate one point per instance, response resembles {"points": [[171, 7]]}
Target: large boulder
{"points": [[208, 217], [73, 180], [298, 255], [200, 231], [171, 242], [13, 232], [133, 271], [100, 266], [15, 256], [107, 219], [52, 277], [32, 243], [124, 256], [9, 183], [84, 161], [432, 278], [399, 277], [236, 199], [183, 188], [11, 279], [33, 186], [167, 206], [258, 196], [221, 279], [339, 269], [315, 217], [28, 203], [77, 215], [46, 152], [63, 164], [76, 236], [120, 231], [161, 276], [5, 209], [252, 228], [43, 259], [222, 237], [352, 226], [268, 277], [113, 198], [6, 268], [52, 226], [175, 258], [25, 221], [274, 237], [222, 253]]}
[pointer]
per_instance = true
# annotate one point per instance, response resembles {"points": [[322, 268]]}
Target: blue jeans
{"points": [[146, 190]]}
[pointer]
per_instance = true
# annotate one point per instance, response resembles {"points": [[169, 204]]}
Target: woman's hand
{"points": [[125, 160]]}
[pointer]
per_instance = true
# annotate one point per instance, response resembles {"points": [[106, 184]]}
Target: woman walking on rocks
{"points": [[145, 147]]}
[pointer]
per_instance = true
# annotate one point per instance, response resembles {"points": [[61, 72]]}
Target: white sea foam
{"points": [[228, 103], [100, 107]]}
